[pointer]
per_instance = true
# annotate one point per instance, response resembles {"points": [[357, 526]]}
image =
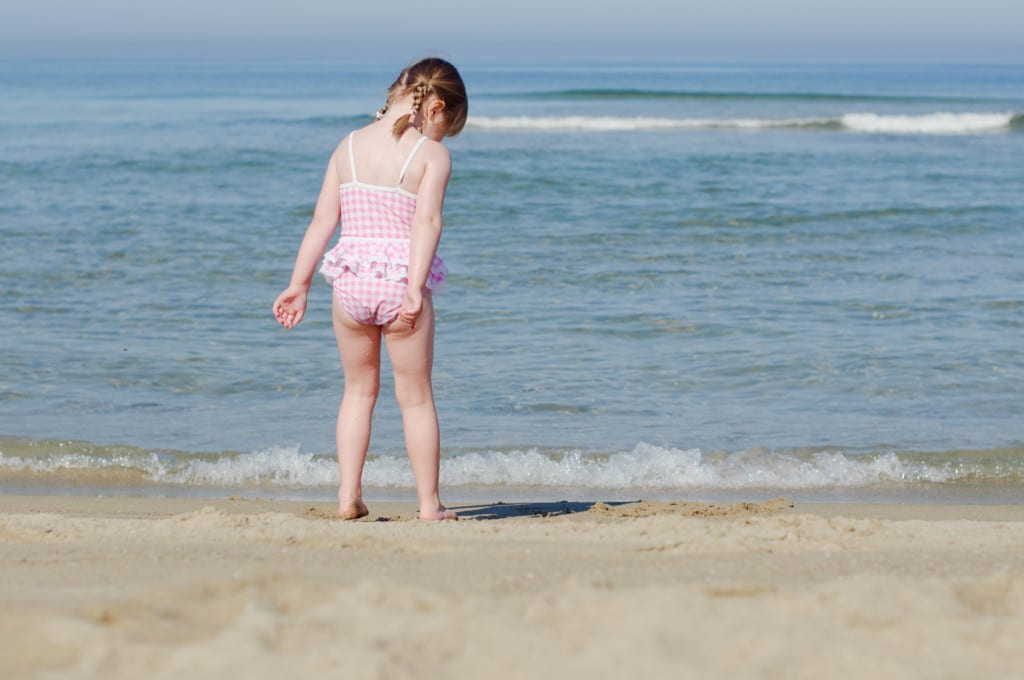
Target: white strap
{"points": [[408, 160], [351, 156]]}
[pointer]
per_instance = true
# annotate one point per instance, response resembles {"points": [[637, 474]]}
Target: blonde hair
{"points": [[431, 76]]}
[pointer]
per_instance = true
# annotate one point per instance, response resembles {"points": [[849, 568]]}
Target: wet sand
{"points": [[129, 587]]}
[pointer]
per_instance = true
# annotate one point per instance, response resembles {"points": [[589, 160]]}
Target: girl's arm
{"points": [[290, 305], [426, 229]]}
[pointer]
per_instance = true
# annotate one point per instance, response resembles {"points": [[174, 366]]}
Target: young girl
{"points": [[386, 183]]}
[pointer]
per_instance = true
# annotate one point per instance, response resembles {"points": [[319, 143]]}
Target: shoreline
{"points": [[129, 586], [996, 494], [88, 504]]}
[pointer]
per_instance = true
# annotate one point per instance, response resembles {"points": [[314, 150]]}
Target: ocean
{"points": [[698, 281]]}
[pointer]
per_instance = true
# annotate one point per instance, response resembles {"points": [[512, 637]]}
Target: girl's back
{"points": [[379, 158]]}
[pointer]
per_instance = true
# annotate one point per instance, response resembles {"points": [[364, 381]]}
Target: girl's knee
{"points": [[413, 395], [362, 390]]}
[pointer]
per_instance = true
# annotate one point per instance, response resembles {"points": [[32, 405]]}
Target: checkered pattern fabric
{"points": [[369, 266], [376, 212], [370, 301]]}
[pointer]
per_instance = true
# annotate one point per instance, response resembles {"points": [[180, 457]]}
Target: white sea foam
{"points": [[616, 123], [644, 467], [279, 466], [655, 467], [932, 123]]}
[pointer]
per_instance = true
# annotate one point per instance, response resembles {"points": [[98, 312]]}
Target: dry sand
{"points": [[169, 588]]}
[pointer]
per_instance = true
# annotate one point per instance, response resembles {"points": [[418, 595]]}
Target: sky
{"points": [[731, 30]]}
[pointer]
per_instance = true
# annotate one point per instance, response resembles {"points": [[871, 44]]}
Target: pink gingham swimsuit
{"points": [[369, 266]]}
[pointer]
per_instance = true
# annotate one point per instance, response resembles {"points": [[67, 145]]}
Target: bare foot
{"points": [[440, 513], [352, 510]]}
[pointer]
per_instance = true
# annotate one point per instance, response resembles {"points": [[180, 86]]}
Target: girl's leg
{"points": [[412, 358], [359, 347]]}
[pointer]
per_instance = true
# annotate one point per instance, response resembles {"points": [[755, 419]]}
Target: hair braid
{"points": [[419, 93], [431, 76]]}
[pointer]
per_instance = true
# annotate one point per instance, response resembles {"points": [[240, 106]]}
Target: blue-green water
{"points": [[662, 277]]}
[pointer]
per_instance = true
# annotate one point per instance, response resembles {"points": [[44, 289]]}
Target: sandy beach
{"points": [[131, 587]]}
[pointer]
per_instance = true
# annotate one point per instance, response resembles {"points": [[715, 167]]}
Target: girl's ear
{"points": [[436, 107]]}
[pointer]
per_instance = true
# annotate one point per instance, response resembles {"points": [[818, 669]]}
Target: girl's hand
{"points": [[290, 305], [412, 307]]}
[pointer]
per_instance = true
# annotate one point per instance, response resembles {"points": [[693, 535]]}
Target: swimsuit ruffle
{"points": [[387, 260]]}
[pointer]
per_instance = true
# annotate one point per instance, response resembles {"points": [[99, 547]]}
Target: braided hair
{"points": [[431, 76]]}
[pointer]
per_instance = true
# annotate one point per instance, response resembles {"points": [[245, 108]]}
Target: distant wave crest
{"points": [[642, 94], [932, 123]]}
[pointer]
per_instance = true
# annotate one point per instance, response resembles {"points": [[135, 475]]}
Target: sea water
{"points": [[665, 280]]}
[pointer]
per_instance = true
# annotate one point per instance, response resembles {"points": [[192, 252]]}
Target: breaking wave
{"points": [[645, 467], [932, 123]]}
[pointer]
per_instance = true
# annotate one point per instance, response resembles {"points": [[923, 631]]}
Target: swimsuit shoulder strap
{"points": [[408, 161], [351, 156]]}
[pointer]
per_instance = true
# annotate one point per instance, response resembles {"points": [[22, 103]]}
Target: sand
{"points": [[125, 587]]}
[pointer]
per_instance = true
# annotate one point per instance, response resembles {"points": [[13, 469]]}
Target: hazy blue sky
{"points": [[978, 30]]}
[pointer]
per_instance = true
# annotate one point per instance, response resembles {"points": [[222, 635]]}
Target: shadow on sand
{"points": [[510, 510]]}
